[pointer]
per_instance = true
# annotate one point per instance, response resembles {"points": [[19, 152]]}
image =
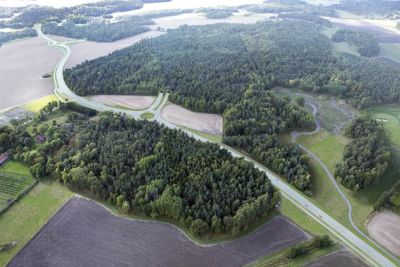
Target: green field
{"points": [[390, 50], [389, 115], [147, 116], [331, 111], [26, 217]]}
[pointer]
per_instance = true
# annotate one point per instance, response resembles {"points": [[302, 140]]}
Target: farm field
{"points": [[384, 227], [90, 50], [173, 22], [23, 65], [125, 101], [25, 217], [207, 123], [37, 104], [389, 115], [75, 229], [391, 51], [340, 258], [12, 186]]}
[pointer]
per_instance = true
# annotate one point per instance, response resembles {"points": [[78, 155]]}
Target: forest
{"points": [[372, 8], [253, 124], [9, 36], [307, 17], [366, 43], [207, 68], [366, 157], [99, 30], [212, 13], [146, 168]]}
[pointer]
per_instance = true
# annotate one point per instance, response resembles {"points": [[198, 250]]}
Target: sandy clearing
{"points": [[174, 22], [83, 233], [203, 122], [129, 101], [22, 65], [90, 50], [384, 227]]}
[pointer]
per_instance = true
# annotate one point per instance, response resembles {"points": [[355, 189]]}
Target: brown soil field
{"points": [[383, 34], [129, 101], [384, 227], [173, 22], [90, 50], [84, 233], [22, 65], [341, 258], [207, 123]]}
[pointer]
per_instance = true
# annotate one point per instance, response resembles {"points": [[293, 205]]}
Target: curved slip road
{"points": [[362, 248]]}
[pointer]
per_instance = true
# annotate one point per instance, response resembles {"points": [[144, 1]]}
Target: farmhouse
{"points": [[40, 138], [4, 157]]}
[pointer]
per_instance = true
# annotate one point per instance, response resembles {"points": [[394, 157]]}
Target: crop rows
{"points": [[12, 185]]}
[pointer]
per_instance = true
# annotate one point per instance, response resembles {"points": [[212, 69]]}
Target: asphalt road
{"points": [[362, 248]]}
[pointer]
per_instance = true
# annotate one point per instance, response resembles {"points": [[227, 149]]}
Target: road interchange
{"points": [[358, 245]]}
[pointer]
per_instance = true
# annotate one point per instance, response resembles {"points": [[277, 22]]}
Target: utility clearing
{"points": [[127, 101], [203, 122], [384, 227]]}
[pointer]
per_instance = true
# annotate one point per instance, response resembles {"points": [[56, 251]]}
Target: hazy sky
{"points": [[150, 7]]}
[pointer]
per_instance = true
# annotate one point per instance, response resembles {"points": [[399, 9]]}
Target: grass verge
{"points": [[37, 104], [147, 116]]}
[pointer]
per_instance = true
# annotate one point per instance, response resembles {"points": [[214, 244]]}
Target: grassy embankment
{"points": [[26, 217]]}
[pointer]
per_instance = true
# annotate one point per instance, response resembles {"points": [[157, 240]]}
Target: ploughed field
{"points": [[132, 102], [22, 66], [203, 122], [340, 258], [84, 233], [384, 227]]}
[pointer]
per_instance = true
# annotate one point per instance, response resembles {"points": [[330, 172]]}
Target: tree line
{"points": [[366, 43], [366, 157]]}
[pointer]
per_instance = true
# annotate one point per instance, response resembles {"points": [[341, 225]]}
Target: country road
{"points": [[359, 246]]}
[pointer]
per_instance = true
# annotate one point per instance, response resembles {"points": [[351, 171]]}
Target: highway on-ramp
{"points": [[362, 248]]}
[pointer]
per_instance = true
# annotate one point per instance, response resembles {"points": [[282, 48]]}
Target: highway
{"points": [[359, 246]]}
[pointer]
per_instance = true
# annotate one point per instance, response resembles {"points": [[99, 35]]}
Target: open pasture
{"points": [[389, 116], [207, 123], [86, 234]]}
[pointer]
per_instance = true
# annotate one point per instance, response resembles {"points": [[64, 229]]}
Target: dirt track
{"points": [[129, 101], [384, 227], [207, 123], [83, 233]]}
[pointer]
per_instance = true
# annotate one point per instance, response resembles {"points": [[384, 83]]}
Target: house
{"points": [[4, 157], [40, 138]]}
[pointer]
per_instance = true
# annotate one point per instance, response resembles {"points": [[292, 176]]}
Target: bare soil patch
{"points": [[129, 101], [383, 34], [207, 123], [83, 233], [173, 22], [90, 50], [341, 258], [384, 227], [22, 66]]}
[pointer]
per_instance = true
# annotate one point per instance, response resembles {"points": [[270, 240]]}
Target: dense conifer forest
{"points": [[207, 68], [366, 43], [147, 168], [365, 158]]}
